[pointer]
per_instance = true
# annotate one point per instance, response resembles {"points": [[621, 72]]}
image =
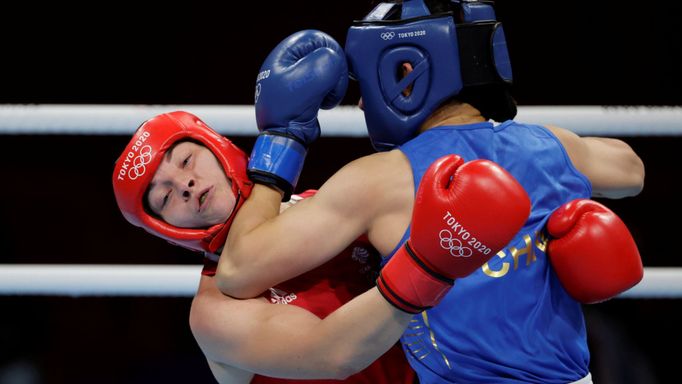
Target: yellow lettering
{"points": [[526, 250], [499, 273], [541, 241], [538, 241]]}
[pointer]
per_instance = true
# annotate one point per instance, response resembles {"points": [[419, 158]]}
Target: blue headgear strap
{"points": [[445, 58]]}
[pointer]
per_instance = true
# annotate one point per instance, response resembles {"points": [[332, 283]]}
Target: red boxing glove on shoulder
{"points": [[592, 251], [464, 213]]}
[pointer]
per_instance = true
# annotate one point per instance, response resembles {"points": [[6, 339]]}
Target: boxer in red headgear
{"points": [[137, 166], [178, 173]]}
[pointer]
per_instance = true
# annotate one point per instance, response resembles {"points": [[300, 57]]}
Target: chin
{"points": [[221, 216]]}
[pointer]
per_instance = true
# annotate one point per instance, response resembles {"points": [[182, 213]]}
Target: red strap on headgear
{"points": [[138, 163]]}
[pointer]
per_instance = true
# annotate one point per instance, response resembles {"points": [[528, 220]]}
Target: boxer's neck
{"points": [[453, 113]]}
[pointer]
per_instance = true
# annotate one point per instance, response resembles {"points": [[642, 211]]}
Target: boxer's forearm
{"points": [[342, 344], [264, 249], [370, 327]]}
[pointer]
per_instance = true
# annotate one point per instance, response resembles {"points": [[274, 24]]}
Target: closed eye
{"points": [[186, 161], [165, 199]]}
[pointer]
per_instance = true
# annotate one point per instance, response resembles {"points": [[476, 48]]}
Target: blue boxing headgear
{"points": [[446, 57]]}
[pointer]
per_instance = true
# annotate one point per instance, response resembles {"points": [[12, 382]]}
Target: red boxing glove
{"points": [[464, 213], [592, 251]]}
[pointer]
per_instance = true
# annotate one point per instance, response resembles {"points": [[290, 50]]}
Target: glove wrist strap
{"points": [[277, 161], [406, 285]]}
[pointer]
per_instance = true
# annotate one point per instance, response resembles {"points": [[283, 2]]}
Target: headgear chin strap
{"points": [[138, 163], [446, 57]]}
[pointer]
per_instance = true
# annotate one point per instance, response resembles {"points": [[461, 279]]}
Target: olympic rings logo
{"points": [[143, 158], [454, 245], [387, 35]]}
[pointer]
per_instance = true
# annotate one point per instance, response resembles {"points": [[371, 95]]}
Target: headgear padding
{"points": [[446, 57], [138, 163]]}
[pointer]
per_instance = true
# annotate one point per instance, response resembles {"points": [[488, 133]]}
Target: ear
{"points": [[406, 68]]}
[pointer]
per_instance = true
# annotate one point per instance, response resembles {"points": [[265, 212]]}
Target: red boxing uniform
{"points": [[325, 289]]}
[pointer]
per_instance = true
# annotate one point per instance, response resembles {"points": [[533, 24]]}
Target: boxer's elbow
{"points": [[623, 177], [632, 178], [223, 280], [345, 369], [637, 166], [340, 357], [632, 171], [233, 281], [341, 372], [343, 365]]}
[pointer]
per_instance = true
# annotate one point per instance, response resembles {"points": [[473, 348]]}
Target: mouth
{"points": [[203, 198]]}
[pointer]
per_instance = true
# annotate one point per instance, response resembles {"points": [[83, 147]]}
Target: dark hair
{"points": [[494, 101], [438, 6]]}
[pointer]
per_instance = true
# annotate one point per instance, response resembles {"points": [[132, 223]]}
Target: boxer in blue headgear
{"points": [[431, 79], [447, 58]]}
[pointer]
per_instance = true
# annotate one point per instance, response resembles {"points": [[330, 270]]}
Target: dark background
{"points": [[56, 204]]}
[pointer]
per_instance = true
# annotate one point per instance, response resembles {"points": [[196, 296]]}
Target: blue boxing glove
{"points": [[305, 72]]}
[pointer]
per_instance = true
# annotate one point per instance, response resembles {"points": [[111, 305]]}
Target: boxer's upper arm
{"points": [[611, 165]]}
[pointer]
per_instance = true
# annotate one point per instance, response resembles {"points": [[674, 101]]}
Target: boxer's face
{"points": [[190, 188]]}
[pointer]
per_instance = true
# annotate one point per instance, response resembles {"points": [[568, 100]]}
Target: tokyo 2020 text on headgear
{"points": [[139, 161], [446, 57]]}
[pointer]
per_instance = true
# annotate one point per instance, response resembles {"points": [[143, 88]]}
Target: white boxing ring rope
{"points": [[99, 280], [80, 280], [77, 280], [344, 121]]}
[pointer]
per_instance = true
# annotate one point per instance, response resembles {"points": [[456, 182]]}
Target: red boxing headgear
{"points": [[138, 163]]}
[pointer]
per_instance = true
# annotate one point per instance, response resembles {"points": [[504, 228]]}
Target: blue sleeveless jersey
{"points": [[510, 321]]}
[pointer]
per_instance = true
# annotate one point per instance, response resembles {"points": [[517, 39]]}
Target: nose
{"points": [[187, 188]]}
